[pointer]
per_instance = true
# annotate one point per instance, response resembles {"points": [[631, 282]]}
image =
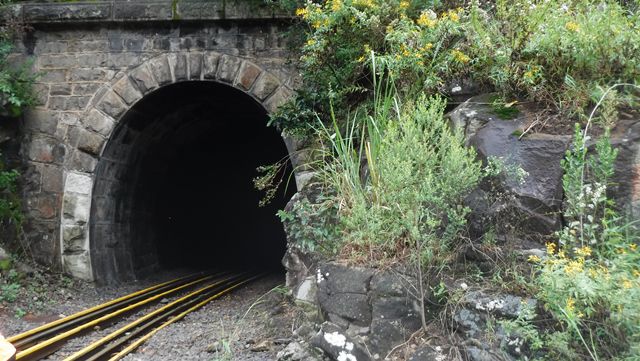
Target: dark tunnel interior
{"points": [[174, 187]]}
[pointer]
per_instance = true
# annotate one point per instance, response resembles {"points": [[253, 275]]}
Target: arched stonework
{"points": [[113, 100]]}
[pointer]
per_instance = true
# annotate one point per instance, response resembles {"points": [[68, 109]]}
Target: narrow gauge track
{"points": [[42, 341]]}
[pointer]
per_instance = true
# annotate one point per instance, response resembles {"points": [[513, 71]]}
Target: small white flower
{"points": [[464, 286], [456, 89], [564, 7]]}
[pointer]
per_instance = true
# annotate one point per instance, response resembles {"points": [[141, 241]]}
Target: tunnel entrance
{"points": [[174, 187]]}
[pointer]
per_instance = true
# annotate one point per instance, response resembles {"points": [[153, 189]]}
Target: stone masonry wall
{"points": [[94, 66]]}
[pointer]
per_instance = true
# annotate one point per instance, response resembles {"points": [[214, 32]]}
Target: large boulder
{"points": [[530, 196]]}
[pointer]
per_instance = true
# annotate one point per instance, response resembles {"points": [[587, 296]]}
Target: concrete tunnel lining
{"points": [[173, 187]]}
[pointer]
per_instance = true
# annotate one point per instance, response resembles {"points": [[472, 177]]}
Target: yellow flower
{"points": [[573, 267], [364, 3], [561, 254], [311, 41], [636, 273], [336, 5], [404, 5], [633, 246], [427, 47], [551, 247], [454, 16], [572, 26], [571, 304], [426, 20], [584, 251], [303, 12], [460, 56], [361, 59], [533, 258], [627, 284]]}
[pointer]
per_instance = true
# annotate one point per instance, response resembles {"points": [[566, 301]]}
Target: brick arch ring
{"points": [[109, 105]]}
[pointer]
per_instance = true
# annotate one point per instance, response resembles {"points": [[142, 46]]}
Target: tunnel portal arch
{"points": [[94, 198]]}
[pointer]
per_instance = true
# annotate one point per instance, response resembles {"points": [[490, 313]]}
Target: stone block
{"points": [[65, 12], [78, 183], [76, 103], [192, 10], [85, 88], [228, 68], [123, 60], [281, 96], [142, 11], [92, 60], [90, 142], [76, 208], [85, 46], [41, 121], [112, 105], [82, 162], [57, 103], [56, 61], [53, 76], [127, 90], [52, 179], [135, 44], [160, 69], [142, 77], [195, 65], [46, 150], [60, 89], [265, 85], [78, 265], [48, 47], [66, 118], [99, 122], [249, 72], [179, 64], [210, 65], [41, 93], [89, 74], [44, 206], [73, 238]]}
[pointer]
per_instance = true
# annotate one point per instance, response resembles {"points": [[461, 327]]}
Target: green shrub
{"points": [[16, 80], [400, 183], [561, 52], [10, 212]]}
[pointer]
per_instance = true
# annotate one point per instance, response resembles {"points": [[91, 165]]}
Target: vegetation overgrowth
{"points": [[562, 53], [393, 175]]}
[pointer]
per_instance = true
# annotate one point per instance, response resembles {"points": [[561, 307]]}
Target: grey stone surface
{"points": [[210, 65], [160, 69], [90, 142], [249, 72], [127, 90], [112, 105], [538, 196], [429, 353], [337, 345], [195, 66], [265, 85], [143, 79], [228, 67], [471, 323], [393, 320]]}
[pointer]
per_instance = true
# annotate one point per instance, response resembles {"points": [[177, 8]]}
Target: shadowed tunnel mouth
{"points": [[174, 187]]}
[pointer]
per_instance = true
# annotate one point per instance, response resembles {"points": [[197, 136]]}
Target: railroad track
{"points": [[192, 292]]}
